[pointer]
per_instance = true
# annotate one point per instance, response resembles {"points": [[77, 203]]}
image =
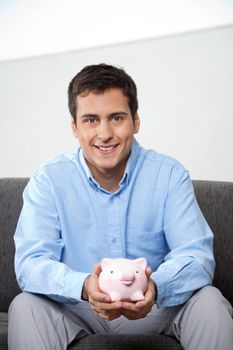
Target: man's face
{"points": [[105, 128]]}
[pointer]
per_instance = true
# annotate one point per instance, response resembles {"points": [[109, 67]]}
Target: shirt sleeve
{"points": [[39, 247], [190, 264]]}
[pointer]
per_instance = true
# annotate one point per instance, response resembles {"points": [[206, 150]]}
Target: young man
{"points": [[113, 199]]}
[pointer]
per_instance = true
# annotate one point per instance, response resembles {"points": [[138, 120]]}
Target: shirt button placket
{"points": [[114, 227]]}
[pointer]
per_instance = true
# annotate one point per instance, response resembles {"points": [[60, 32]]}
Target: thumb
{"points": [[97, 269], [148, 271]]}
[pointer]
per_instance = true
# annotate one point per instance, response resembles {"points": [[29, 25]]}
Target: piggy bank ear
{"points": [[105, 262], [142, 262]]}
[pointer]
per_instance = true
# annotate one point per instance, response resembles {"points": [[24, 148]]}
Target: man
{"points": [[113, 199]]}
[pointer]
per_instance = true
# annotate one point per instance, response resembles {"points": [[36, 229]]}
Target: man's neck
{"points": [[108, 179]]}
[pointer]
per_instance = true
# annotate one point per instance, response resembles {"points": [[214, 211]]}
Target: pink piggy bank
{"points": [[123, 279]]}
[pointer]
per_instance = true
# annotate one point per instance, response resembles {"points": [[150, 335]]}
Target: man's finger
{"points": [[110, 306], [100, 297]]}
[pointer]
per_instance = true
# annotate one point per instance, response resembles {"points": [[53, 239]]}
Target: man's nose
{"points": [[105, 131]]}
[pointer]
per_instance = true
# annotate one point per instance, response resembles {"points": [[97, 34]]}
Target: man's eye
{"points": [[90, 120], [117, 118]]}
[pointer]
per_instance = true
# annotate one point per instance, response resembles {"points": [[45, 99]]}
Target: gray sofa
{"points": [[216, 202]]}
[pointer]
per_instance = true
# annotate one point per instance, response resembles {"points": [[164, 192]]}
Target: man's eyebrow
{"points": [[117, 113], [89, 115], [93, 115]]}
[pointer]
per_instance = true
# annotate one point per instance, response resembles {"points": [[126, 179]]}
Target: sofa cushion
{"points": [[126, 342]]}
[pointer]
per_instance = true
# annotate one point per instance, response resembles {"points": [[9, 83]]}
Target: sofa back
{"points": [[215, 200], [10, 206]]}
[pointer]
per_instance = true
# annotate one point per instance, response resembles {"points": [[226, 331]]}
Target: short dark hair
{"points": [[98, 78]]}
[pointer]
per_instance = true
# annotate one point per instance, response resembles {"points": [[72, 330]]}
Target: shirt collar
{"points": [[130, 165]]}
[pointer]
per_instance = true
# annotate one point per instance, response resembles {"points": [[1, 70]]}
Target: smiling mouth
{"points": [[106, 149]]}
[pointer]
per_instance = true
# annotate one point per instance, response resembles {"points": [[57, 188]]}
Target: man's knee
{"points": [[26, 304], [207, 308], [21, 302], [211, 300], [209, 292], [205, 321]]}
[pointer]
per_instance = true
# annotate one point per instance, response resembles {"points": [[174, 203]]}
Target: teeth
{"points": [[105, 148]]}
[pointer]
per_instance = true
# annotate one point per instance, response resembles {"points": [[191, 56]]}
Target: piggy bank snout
{"points": [[127, 277]]}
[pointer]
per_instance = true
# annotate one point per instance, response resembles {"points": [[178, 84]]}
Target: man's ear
{"points": [[74, 127], [136, 123]]}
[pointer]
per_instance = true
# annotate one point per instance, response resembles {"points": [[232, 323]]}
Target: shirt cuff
{"points": [[159, 282], [74, 285]]}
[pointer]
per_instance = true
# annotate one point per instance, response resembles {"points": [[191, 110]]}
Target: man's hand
{"points": [[100, 303], [140, 309]]}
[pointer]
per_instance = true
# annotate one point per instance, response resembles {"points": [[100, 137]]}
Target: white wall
{"points": [[31, 27], [185, 85]]}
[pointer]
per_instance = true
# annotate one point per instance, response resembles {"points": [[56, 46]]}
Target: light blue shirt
{"points": [[68, 224]]}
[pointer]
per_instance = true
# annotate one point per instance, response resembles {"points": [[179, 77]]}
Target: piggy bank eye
{"points": [[111, 271], [136, 271]]}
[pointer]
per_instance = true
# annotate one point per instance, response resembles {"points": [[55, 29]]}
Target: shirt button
{"points": [[111, 200], [114, 240]]}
